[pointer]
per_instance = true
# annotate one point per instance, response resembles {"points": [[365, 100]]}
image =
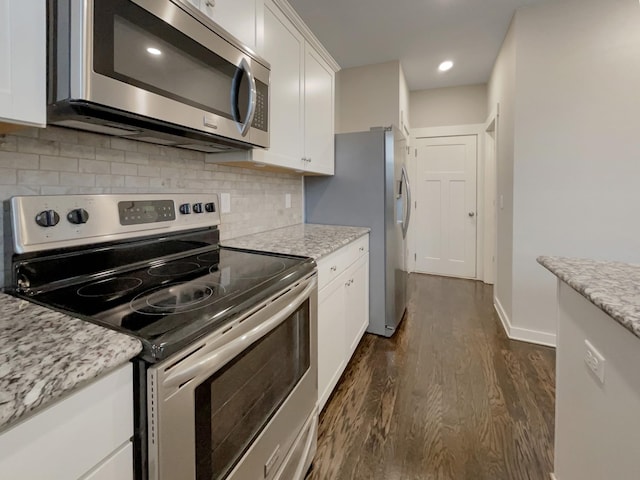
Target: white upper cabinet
{"points": [[284, 49], [302, 98], [319, 100], [238, 17], [23, 62]]}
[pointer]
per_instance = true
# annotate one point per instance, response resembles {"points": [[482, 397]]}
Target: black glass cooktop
{"points": [[168, 304]]}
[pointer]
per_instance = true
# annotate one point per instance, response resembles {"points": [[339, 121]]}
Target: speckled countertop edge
{"points": [[614, 287], [304, 239], [45, 355]]}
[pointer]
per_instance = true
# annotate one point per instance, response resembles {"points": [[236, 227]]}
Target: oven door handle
{"points": [[219, 357]]}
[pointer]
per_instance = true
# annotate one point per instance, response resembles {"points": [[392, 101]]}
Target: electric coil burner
{"points": [[227, 377]]}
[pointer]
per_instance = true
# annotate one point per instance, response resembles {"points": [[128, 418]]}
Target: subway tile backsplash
{"points": [[55, 160]]}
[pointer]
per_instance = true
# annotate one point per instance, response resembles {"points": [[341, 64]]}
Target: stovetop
{"points": [[169, 304], [148, 265]]}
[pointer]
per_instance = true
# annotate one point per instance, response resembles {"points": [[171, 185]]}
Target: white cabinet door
{"points": [[331, 338], [318, 113], [284, 50], [195, 3], [23, 62], [119, 466], [238, 17], [69, 438], [357, 307]]}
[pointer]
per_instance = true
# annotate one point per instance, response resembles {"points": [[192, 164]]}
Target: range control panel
{"points": [[135, 212], [60, 221]]}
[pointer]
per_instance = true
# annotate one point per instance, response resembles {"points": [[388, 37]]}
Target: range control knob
{"points": [[78, 216], [210, 207], [197, 208], [47, 218], [185, 209]]}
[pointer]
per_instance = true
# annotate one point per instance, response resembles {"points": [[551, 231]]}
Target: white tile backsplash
{"points": [[55, 161]]}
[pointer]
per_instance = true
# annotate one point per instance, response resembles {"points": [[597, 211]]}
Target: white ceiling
{"points": [[419, 33]]}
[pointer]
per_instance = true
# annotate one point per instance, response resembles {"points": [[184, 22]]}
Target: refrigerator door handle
{"points": [[405, 223]]}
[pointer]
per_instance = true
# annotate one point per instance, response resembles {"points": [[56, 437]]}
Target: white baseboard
{"points": [[522, 334], [502, 315], [533, 336]]}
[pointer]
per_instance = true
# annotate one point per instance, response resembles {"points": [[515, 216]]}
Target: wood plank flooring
{"points": [[449, 397]]}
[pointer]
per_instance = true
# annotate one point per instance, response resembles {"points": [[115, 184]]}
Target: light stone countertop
{"points": [[304, 239], [45, 355], [614, 287]]}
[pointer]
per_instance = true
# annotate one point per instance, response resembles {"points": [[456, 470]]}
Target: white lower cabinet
{"points": [[343, 311], [332, 340], [357, 302], [116, 467], [87, 435]]}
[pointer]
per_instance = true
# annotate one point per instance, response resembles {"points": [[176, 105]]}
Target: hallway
{"points": [[449, 397]]}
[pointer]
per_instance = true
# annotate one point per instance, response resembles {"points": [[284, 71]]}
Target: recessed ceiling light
{"points": [[445, 66], [154, 51]]}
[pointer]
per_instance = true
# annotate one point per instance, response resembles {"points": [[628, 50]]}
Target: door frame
{"points": [[490, 138], [479, 130]]}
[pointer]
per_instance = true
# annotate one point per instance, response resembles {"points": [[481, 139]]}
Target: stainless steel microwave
{"points": [[158, 71]]}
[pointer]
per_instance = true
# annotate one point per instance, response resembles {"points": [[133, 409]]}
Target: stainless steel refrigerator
{"points": [[370, 188]]}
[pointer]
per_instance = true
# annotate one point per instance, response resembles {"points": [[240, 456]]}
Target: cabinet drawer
{"points": [[73, 435], [330, 267], [358, 248], [333, 265]]}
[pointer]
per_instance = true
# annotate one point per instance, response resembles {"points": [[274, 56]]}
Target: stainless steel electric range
{"points": [[226, 385]]}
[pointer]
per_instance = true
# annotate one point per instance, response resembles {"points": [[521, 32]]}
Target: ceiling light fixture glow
{"points": [[154, 51], [445, 66]]}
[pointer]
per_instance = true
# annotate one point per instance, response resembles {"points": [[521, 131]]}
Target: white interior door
{"points": [[445, 212]]}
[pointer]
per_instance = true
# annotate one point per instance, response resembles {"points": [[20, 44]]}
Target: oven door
{"points": [[240, 404], [160, 59]]}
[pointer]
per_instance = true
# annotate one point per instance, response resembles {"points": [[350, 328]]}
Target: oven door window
{"points": [[135, 47], [235, 404]]}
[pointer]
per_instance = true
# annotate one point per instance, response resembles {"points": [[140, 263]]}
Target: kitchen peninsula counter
{"points": [[45, 355], [597, 428], [305, 239], [613, 287]]}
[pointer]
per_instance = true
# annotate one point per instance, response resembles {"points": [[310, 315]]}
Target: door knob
{"points": [[472, 214]]}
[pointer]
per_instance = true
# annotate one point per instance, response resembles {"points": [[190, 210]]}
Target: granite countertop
{"points": [[45, 354], [305, 239], [614, 287]]}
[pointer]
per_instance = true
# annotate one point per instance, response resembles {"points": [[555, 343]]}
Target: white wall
{"points": [[466, 105], [576, 147], [501, 89], [369, 97]]}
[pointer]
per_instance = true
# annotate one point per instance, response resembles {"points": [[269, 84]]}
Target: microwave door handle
{"points": [[219, 357], [235, 96]]}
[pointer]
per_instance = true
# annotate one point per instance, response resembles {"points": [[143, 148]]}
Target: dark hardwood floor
{"points": [[448, 397]]}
